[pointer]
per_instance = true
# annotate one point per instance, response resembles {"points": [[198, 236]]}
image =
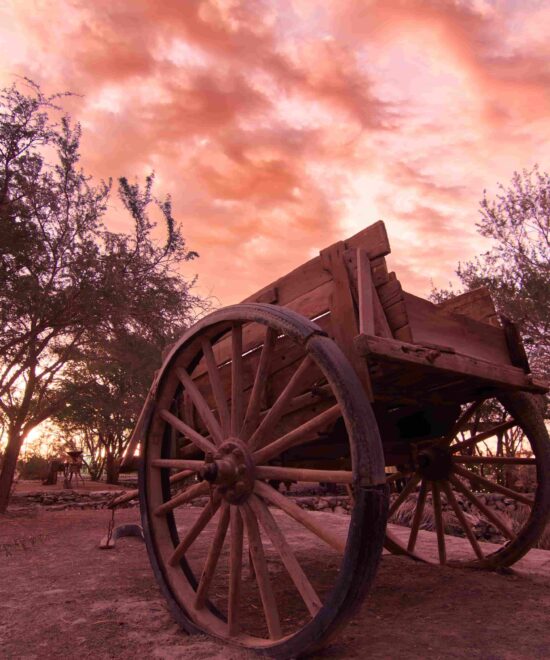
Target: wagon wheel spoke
{"points": [[439, 526], [492, 486], [267, 596], [188, 495], [495, 430], [299, 578], [217, 387], [237, 384], [409, 488], [303, 474], [301, 516], [303, 433], [201, 405], [451, 499], [196, 438], [185, 465], [260, 381], [235, 570], [463, 419], [212, 558], [196, 528], [488, 513], [267, 425], [419, 510]]}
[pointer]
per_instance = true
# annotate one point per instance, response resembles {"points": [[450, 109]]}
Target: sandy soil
{"points": [[62, 597]]}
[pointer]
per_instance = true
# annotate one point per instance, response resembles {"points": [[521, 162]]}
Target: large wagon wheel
{"points": [[463, 468], [233, 446]]}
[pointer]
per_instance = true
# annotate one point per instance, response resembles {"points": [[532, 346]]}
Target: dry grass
{"points": [[516, 519], [404, 516]]}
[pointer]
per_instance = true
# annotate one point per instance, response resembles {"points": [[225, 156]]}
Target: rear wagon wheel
{"points": [[464, 470]]}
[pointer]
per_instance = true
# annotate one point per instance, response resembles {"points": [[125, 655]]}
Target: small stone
{"points": [[339, 509]]}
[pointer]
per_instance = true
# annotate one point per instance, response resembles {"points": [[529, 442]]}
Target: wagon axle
{"points": [[435, 463]]}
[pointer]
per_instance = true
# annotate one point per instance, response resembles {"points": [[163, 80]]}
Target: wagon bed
{"points": [[457, 349]]}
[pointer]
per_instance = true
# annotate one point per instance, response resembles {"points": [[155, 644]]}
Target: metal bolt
{"points": [[208, 472]]}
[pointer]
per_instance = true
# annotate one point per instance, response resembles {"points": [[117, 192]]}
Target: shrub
{"points": [[33, 467]]}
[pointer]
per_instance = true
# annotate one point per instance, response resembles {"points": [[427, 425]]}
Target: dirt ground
{"points": [[63, 597]]}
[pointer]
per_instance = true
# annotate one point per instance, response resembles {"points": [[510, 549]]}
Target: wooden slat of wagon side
{"points": [[455, 364], [286, 356], [307, 289], [311, 275], [432, 325]]}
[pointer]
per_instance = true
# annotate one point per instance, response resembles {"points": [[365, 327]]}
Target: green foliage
{"points": [[33, 467], [71, 291]]}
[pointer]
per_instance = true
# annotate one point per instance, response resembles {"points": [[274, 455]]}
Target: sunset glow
{"points": [[281, 127]]}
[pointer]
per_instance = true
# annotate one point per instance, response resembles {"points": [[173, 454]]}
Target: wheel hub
{"points": [[230, 470], [435, 463]]}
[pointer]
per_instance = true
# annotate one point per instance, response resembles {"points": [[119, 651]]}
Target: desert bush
{"points": [[517, 519], [33, 467], [405, 514]]}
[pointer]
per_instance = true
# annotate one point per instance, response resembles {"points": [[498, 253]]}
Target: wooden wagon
{"points": [[333, 375]]}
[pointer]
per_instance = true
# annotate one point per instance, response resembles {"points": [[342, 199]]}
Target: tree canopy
{"points": [[71, 290], [516, 269]]}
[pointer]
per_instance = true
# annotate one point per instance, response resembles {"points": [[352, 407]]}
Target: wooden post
{"points": [[365, 291], [343, 319]]}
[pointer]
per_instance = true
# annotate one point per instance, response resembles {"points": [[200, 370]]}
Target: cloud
{"points": [[280, 127]]}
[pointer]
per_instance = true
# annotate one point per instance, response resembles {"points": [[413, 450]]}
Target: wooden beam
{"points": [[455, 364], [365, 291]]}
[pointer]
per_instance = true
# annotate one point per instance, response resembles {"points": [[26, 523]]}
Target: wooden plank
{"points": [[379, 271], [390, 292], [307, 289], [432, 325], [382, 328], [451, 363], [476, 304], [269, 295], [397, 315], [404, 334], [308, 276], [311, 304], [518, 356], [365, 293], [342, 309]]}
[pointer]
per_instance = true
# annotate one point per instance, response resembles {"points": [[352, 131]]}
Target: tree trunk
{"points": [[112, 468], [15, 440]]}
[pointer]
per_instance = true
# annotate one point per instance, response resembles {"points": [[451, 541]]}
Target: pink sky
{"points": [[280, 127]]}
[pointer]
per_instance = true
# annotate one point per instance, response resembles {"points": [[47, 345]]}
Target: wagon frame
{"points": [[331, 374]]}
